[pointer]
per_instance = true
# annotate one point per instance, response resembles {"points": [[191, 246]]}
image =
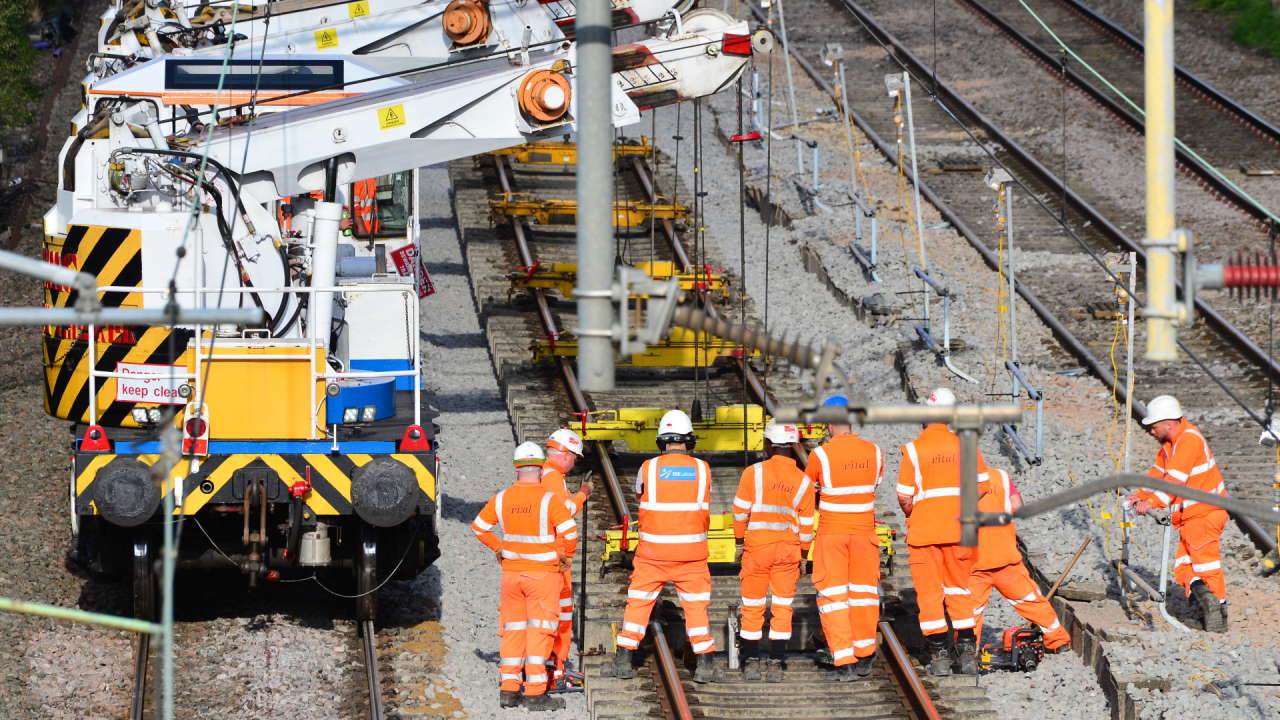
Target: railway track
{"points": [[1056, 224], [542, 397], [142, 699]]}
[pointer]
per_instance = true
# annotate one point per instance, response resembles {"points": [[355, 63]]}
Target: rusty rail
{"points": [[914, 693]]}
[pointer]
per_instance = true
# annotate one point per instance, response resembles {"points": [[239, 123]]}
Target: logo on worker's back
{"points": [[522, 510], [943, 458], [677, 473]]}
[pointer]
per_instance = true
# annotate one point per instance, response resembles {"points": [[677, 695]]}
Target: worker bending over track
{"points": [[847, 470], [675, 513], [773, 519], [538, 538], [564, 447], [999, 565], [929, 494], [1184, 458]]}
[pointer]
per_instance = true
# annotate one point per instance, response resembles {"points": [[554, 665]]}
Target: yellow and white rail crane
{"points": [[305, 442]]}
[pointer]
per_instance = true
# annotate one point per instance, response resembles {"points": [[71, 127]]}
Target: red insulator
{"points": [[1240, 276]]}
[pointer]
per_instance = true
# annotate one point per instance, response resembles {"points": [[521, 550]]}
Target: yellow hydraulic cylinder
{"points": [[626, 213], [638, 428], [1162, 311]]}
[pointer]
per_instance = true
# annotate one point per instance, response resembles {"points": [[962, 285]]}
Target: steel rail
{"points": [[1134, 45], [665, 659], [1199, 169], [142, 651], [367, 634], [914, 694], [1221, 325]]}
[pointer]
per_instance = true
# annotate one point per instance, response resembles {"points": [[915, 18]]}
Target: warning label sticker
{"points": [[409, 264], [391, 116], [358, 9], [151, 384], [326, 38]]}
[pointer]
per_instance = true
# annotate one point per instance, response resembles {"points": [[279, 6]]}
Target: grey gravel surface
{"points": [[476, 446]]}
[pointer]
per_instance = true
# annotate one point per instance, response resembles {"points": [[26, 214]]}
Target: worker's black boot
{"points": [[863, 667], [843, 673], [622, 668], [773, 670], [967, 652], [751, 661], [706, 671], [543, 702], [1211, 610], [939, 655], [508, 698]]}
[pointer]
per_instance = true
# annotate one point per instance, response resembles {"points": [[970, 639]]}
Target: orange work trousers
{"points": [[692, 579], [564, 634], [1015, 584], [1200, 553], [774, 567], [527, 621], [941, 576], [846, 574]]}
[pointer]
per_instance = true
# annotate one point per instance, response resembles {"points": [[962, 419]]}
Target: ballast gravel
{"points": [[475, 446]]}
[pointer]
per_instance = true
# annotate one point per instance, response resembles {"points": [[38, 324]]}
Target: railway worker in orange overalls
{"points": [[846, 555], [674, 490], [1184, 458], [999, 565], [929, 494], [538, 537], [773, 519], [564, 447]]}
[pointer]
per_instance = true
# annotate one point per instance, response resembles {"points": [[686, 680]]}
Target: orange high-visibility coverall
{"points": [[930, 476], [999, 565], [1188, 461], [846, 555], [553, 482], [536, 531], [773, 515], [675, 512]]}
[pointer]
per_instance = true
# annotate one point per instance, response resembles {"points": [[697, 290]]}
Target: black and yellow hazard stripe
{"points": [[114, 256], [330, 477]]}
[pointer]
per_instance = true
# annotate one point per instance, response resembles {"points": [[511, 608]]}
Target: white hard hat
{"points": [[566, 440], [528, 454], [675, 422], [941, 397], [1163, 407], [780, 434]]}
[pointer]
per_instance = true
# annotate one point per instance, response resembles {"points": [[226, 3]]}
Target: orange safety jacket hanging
{"points": [[675, 508]]}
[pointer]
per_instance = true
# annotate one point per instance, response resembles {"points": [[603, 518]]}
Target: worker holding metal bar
{"points": [[564, 447], [1184, 457], [929, 494], [773, 521], [999, 565], [674, 490], [538, 538], [847, 470]]}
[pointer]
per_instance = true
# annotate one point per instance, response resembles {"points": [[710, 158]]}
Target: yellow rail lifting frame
{"points": [[626, 213], [683, 348], [563, 277], [638, 428]]}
